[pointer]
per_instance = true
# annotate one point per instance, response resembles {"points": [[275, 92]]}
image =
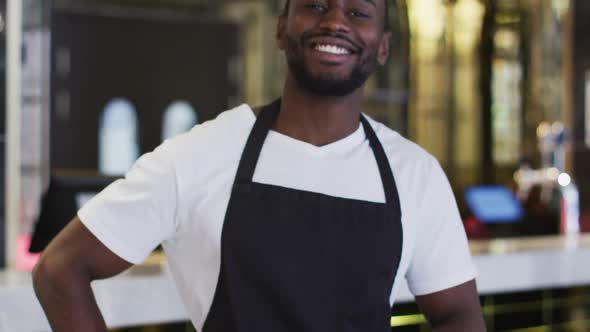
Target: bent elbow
{"points": [[44, 277], [52, 275]]}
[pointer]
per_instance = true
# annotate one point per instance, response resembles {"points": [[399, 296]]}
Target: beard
{"points": [[328, 85]]}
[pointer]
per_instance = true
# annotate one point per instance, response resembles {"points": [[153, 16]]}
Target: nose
{"points": [[335, 20]]}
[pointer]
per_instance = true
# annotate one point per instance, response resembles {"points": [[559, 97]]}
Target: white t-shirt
{"points": [[177, 195]]}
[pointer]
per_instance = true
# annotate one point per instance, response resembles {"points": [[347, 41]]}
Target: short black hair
{"points": [[386, 26]]}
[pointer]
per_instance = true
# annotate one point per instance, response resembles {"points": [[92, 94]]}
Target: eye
{"points": [[358, 14], [318, 7]]}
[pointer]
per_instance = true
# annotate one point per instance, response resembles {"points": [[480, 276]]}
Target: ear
{"points": [[383, 52], [281, 35]]}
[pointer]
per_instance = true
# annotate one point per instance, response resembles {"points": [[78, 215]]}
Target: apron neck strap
{"points": [[387, 179], [251, 152], [264, 122]]}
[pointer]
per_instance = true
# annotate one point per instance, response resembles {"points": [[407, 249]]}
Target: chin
{"points": [[327, 75], [330, 78]]}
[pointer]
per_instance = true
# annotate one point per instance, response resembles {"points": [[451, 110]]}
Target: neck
{"points": [[314, 119]]}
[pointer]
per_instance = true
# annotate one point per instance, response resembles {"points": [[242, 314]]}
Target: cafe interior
{"points": [[497, 90]]}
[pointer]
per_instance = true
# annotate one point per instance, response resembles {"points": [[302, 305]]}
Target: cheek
{"points": [[298, 25], [372, 43]]}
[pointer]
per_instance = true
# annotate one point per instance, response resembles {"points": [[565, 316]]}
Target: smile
{"points": [[332, 49]]}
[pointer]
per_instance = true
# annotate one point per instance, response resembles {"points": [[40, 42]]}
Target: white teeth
{"points": [[331, 49]]}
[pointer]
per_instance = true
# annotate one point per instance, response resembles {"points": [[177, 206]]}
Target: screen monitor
{"points": [[494, 204]]}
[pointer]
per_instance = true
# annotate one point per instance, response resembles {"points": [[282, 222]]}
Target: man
{"points": [[301, 216]]}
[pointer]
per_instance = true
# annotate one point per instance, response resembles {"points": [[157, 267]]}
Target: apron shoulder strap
{"points": [[389, 186], [258, 134]]}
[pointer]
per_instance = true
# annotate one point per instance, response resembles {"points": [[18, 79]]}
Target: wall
{"points": [[109, 56]]}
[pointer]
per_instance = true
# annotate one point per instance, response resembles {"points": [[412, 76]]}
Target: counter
{"points": [[145, 294]]}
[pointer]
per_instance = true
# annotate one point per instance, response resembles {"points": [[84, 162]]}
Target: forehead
{"points": [[376, 3]]}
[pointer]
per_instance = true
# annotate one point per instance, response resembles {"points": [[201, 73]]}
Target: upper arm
{"points": [[134, 215], [441, 272], [76, 250], [453, 309], [63, 275], [440, 256]]}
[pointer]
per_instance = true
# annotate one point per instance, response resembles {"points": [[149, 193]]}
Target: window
{"points": [[117, 143], [179, 117]]}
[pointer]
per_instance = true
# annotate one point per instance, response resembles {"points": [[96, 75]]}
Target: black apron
{"points": [[300, 261]]}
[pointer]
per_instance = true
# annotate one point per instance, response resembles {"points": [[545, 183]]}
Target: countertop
{"points": [[145, 294]]}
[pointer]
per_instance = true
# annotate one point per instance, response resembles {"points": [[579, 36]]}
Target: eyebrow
{"points": [[372, 2]]}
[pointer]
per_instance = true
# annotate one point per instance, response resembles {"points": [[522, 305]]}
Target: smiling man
{"points": [[302, 215], [317, 58]]}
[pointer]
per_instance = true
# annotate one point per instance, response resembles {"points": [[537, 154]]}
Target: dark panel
{"points": [[2, 134], [3, 74], [151, 62], [581, 66]]}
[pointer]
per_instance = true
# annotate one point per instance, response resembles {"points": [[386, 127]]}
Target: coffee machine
{"points": [[550, 190]]}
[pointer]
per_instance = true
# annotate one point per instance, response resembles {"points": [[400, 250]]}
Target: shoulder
{"points": [[404, 155], [418, 175], [236, 120], [207, 150], [228, 128]]}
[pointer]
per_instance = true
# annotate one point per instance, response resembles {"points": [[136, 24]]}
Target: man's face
{"points": [[333, 46]]}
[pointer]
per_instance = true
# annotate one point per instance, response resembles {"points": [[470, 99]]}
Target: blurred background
{"points": [[497, 90]]}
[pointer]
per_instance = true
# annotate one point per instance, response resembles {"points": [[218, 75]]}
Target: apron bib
{"points": [[294, 260]]}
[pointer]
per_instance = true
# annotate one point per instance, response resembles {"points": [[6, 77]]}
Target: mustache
{"points": [[306, 36]]}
